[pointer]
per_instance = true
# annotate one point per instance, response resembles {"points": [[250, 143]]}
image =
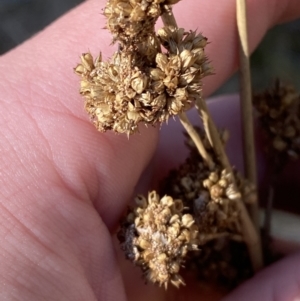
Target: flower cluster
{"points": [[121, 93], [210, 199], [278, 110], [140, 83], [222, 214], [132, 21], [157, 236], [211, 195]]}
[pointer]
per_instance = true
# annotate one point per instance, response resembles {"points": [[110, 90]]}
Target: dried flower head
{"points": [[108, 88], [212, 200], [211, 195], [189, 46], [132, 21], [157, 236], [278, 110], [222, 214], [121, 93], [140, 84]]}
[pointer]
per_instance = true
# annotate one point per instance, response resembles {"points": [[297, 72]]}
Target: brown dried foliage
{"points": [[211, 198]]}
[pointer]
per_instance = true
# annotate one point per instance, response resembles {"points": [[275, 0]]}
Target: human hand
{"points": [[64, 186]]}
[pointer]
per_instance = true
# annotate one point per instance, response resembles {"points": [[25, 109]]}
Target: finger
{"points": [[52, 156], [280, 281], [107, 166], [63, 253]]}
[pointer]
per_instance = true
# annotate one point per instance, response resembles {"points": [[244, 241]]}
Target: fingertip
{"points": [[281, 281]]}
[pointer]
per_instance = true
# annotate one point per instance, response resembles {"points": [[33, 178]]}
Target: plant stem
{"points": [[213, 134], [246, 105], [169, 20], [168, 17], [250, 234], [196, 139]]}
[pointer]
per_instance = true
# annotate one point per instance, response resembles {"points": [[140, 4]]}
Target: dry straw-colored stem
{"points": [[212, 133], [196, 139], [246, 104], [250, 234], [169, 20], [168, 17]]}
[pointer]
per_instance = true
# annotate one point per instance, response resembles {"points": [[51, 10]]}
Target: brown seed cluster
{"points": [[278, 110], [140, 83], [157, 235], [222, 215], [119, 96], [212, 200], [133, 20], [185, 49], [212, 197]]}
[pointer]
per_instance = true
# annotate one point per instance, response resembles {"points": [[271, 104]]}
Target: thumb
{"points": [[280, 281]]}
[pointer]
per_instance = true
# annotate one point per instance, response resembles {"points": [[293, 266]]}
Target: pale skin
{"points": [[64, 185]]}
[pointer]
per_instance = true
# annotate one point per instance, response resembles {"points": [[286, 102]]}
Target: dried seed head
{"points": [[159, 245], [140, 83], [120, 94], [132, 21], [278, 110], [114, 92]]}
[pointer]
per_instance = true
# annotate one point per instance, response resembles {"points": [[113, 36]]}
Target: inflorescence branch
{"points": [[152, 77]]}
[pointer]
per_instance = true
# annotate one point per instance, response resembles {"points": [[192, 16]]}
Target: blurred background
{"points": [[277, 56]]}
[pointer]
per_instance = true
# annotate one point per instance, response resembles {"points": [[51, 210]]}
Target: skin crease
{"points": [[64, 185]]}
